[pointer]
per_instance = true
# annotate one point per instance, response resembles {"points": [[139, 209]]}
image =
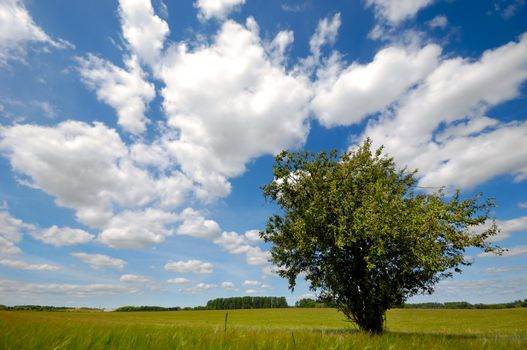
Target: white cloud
{"points": [[396, 11], [449, 102], [190, 266], [252, 106], [197, 226], [11, 230], [74, 162], [62, 236], [251, 291], [88, 168], [179, 280], [510, 10], [97, 261], [256, 256], [126, 90], [137, 229], [17, 30], [269, 271], [228, 286], [278, 47], [508, 227], [198, 288], [129, 278], [240, 244], [514, 251], [9, 287], [253, 236], [499, 269], [233, 243], [143, 30], [347, 96], [216, 8], [19, 264], [251, 283], [522, 205], [297, 7], [325, 34], [8, 247], [439, 21]]}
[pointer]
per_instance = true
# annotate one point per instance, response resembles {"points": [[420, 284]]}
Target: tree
{"points": [[363, 234]]}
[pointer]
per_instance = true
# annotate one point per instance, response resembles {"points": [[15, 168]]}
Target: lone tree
{"points": [[361, 232]]}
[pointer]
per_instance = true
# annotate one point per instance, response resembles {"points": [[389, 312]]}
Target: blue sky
{"points": [[135, 134]]}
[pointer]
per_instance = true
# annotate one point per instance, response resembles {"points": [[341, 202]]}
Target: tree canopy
{"points": [[363, 234]]}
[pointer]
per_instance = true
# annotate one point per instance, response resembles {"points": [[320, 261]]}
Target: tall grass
{"points": [[262, 329]]}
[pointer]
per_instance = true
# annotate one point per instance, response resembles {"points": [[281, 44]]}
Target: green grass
{"points": [[262, 329]]}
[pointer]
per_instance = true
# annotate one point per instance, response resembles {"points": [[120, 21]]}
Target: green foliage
{"points": [[246, 303], [306, 302], [35, 308], [145, 308], [362, 234], [465, 305]]}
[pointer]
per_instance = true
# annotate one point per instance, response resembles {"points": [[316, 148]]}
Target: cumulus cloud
{"points": [[178, 280], [89, 168], [508, 227], [138, 279], [62, 236], [98, 261], [396, 11], [143, 30], [75, 162], [235, 243], [11, 230], [252, 106], [198, 288], [137, 229], [257, 256], [126, 90], [228, 286], [253, 236], [194, 224], [440, 127], [269, 271], [325, 34], [439, 21], [9, 287], [219, 9], [250, 283], [8, 247], [190, 266], [22, 265], [18, 30], [345, 96]]}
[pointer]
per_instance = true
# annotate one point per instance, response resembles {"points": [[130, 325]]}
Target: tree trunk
{"points": [[371, 320]]}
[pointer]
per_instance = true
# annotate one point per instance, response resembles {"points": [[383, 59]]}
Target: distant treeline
{"points": [[265, 302], [312, 303], [247, 303], [465, 305], [146, 308], [44, 308]]}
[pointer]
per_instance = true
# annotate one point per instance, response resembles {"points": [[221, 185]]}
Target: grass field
{"points": [[262, 329]]}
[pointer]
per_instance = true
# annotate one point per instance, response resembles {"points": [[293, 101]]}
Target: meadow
{"points": [[262, 329]]}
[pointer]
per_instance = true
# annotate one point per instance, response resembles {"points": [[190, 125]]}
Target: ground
{"points": [[262, 329]]}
